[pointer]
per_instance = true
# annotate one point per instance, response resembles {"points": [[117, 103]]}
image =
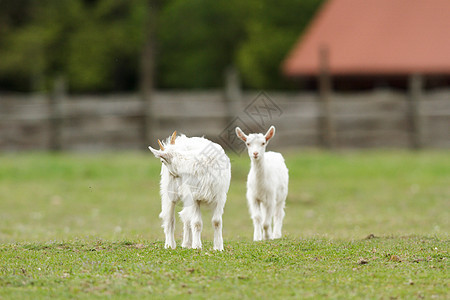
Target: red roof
{"points": [[376, 37]]}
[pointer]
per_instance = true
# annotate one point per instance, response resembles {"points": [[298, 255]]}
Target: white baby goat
{"points": [[195, 171], [267, 185]]}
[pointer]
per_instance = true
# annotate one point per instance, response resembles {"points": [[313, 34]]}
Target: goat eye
{"points": [[263, 143], [248, 144]]}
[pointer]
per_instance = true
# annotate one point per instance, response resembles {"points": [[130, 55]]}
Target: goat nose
{"points": [[255, 154]]}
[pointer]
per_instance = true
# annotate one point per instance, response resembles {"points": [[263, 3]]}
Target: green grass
{"points": [[87, 225]]}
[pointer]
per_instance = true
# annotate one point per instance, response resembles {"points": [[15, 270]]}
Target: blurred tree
{"points": [[14, 15], [100, 45], [93, 43], [272, 30], [198, 40], [104, 49]]}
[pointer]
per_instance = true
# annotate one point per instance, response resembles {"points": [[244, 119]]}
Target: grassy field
{"points": [[371, 224]]}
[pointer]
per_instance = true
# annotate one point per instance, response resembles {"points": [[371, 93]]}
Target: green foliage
{"points": [[89, 43], [272, 32], [199, 40], [107, 42], [97, 44]]}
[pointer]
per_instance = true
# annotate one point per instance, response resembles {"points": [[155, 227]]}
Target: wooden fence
{"points": [[95, 123]]}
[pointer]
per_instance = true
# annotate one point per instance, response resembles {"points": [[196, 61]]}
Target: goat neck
{"points": [[258, 168]]}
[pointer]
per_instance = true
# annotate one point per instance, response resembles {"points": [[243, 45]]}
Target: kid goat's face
{"points": [[256, 142]]}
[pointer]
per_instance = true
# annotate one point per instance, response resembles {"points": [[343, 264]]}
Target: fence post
{"points": [[56, 98], [233, 93], [326, 123], [415, 122]]}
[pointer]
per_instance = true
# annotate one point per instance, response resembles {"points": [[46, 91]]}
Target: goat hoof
{"points": [[197, 247], [170, 245]]}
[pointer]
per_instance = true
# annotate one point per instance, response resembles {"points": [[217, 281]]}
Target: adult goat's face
{"points": [[165, 154], [166, 157], [256, 142]]}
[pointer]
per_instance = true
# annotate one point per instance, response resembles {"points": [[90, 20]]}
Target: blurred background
{"points": [[94, 75]]}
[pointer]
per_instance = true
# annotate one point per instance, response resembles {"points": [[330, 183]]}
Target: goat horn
{"points": [[172, 138], [160, 145]]}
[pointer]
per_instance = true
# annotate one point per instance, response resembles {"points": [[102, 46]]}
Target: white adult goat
{"points": [[195, 171], [267, 185]]}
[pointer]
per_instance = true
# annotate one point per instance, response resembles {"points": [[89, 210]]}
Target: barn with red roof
{"points": [[375, 39]]}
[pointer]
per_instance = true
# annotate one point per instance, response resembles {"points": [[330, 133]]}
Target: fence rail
{"points": [[375, 119]]}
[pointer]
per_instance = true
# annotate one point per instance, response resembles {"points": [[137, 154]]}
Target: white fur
{"points": [[267, 185], [195, 171]]}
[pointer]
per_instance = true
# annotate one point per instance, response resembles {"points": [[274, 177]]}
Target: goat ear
{"points": [[156, 153], [161, 154], [270, 133], [241, 134]]}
